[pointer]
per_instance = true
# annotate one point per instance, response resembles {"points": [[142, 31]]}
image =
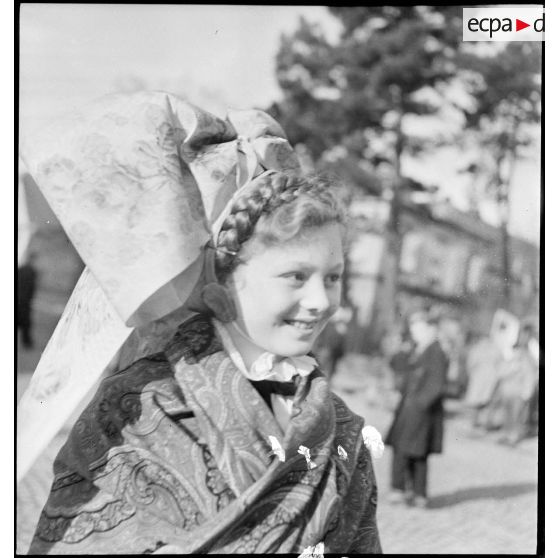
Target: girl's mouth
{"points": [[303, 325]]}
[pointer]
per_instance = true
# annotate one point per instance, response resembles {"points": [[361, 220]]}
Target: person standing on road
{"points": [[483, 363], [417, 427]]}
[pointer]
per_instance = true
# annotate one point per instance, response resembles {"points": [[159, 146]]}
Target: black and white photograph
{"points": [[279, 279]]}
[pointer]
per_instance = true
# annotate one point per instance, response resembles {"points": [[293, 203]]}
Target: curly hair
{"points": [[279, 207]]}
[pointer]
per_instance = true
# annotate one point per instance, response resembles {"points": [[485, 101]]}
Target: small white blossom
{"points": [[276, 448], [373, 441], [316, 551], [342, 453], [303, 450]]}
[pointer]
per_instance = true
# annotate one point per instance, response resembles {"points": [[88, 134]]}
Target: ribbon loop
{"points": [[248, 163]]}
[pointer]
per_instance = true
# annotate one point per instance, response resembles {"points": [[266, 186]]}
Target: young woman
{"points": [[228, 440]]}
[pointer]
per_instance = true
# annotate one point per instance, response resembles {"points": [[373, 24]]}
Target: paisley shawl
{"points": [[174, 450]]}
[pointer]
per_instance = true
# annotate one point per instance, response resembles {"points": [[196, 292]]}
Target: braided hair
{"points": [[276, 210]]}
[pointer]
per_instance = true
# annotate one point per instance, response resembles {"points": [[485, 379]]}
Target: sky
{"points": [[74, 52], [217, 56]]}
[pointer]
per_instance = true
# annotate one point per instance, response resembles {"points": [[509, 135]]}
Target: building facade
{"points": [[445, 258]]}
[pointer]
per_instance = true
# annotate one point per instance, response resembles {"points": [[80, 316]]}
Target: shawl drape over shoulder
{"points": [[175, 450]]}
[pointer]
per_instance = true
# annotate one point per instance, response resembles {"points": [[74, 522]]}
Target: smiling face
{"points": [[285, 294]]}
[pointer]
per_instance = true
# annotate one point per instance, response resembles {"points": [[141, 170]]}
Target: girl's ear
{"points": [[218, 299], [212, 295], [209, 294]]}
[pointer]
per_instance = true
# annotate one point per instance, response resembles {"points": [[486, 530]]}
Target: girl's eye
{"points": [[296, 277], [333, 278]]}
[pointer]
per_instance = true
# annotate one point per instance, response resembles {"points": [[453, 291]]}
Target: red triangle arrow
{"points": [[519, 25]]}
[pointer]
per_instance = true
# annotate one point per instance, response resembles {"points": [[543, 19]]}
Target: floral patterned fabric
{"points": [[112, 174], [137, 181], [174, 452]]}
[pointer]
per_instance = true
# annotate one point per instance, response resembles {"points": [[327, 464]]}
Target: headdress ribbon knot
{"points": [[138, 182]]}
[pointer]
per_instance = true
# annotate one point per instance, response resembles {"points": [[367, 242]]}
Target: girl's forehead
{"points": [[324, 242], [328, 234]]}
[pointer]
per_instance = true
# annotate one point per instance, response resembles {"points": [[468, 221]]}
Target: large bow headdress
{"points": [[138, 182]]}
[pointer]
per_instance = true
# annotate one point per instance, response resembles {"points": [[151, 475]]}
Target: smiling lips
{"points": [[304, 325]]}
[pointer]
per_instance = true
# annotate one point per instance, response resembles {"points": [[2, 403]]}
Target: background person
{"points": [[483, 362], [417, 427], [516, 388], [331, 345], [401, 361]]}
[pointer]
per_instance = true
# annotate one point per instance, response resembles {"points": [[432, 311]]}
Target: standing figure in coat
{"points": [[417, 427]]}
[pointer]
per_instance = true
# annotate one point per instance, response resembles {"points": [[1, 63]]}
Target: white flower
{"points": [[373, 441], [313, 551], [342, 453], [303, 450], [276, 448], [262, 367]]}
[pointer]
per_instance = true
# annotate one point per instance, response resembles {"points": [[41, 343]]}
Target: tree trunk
{"points": [[509, 152], [506, 275], [502, 189], [394, 233]]}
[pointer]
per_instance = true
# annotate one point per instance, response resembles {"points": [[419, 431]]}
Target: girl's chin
{"points": [[287, 342], [296, 349]]}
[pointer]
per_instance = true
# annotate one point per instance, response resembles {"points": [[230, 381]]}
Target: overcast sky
{"points": [[218, 56], [73, 52]]}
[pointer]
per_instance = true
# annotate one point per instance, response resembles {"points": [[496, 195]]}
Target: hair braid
{"points": [[286, 202]]}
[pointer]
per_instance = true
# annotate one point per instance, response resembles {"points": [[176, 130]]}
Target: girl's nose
{"points": [[316, 296]]}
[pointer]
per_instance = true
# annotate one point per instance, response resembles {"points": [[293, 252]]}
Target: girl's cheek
{"points": [[335, 296]]}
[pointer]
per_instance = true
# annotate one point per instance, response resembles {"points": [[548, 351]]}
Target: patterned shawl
{"points": [[174, 450]]}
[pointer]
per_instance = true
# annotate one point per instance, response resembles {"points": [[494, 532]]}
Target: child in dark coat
{"points": [[417, 427]]}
